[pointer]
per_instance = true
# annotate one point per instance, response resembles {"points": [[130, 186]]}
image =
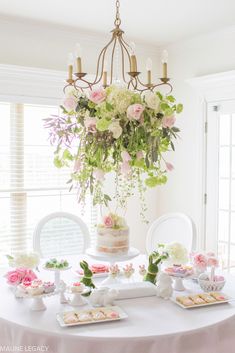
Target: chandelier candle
{"points": [[149, 71], [164, 63], [78, 58], [70, 67]]}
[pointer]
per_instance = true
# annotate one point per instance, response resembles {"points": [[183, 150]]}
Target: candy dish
{"points": [[179, 271], [90, 316]]}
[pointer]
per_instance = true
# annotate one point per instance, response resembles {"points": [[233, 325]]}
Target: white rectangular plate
{"points": [[201, 305], [122, 315]]}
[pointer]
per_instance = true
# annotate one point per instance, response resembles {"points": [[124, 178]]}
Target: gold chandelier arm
{"points": [[123, 60], [101, 55], [126, 50], [112, 56]]}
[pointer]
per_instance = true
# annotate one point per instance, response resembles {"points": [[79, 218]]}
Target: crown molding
{"points": [[215, 87]]}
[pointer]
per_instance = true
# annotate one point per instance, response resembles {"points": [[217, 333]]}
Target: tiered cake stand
{"points": [[112, 260]]}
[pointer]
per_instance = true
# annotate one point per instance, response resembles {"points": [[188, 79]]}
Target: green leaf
{"points": [[151, 182], [147, 161], [175, 129], [57, 162], [103, 124], [107, 197], [170, 99], [67, 155], [9, 257], [164, 106], [168, 112], [160, 95], [108, 106], [179, 108], [172, 146]]}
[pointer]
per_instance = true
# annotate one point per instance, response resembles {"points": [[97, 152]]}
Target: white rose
{"points": [[116, 129], [152, 100]]}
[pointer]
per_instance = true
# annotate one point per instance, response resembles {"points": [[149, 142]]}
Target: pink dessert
{"points": [[96, 268], [77, 287], [49, 287]]}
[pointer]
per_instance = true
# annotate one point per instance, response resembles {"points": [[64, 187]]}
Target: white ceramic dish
{"points": [[122, 315], [206, 304], [95, 275]]}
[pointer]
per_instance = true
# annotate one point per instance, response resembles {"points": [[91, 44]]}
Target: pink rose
{"points": [[97, 96], [200, 261], [135, 111], [212, 261], [90, 124], [125, 156], [168, 121], [125, 168], [70, 104], [77, 165], [13, 278], [98, 174], [108, 221], [30, 276], [21, 271], [169, 166], [139, 155]]}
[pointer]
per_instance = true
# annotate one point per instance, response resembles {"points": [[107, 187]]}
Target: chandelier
{"points": [[116, 48]]}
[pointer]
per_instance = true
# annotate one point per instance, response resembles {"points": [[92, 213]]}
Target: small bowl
{"points": [[209, 286]]}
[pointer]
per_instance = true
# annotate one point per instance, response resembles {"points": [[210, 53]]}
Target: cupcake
{"points": [[77, 287], [36, 288], [48, 287]]}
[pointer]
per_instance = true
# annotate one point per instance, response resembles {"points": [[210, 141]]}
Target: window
{"points": [[221, 181], [30, 185]]}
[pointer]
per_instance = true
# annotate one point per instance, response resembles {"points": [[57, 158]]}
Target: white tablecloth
{"points": [[153, 326]]}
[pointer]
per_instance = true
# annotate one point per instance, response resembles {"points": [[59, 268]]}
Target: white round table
{"points": [[153, 326]]}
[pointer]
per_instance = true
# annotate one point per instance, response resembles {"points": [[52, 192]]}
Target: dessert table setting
{"points": [[133, 318]]}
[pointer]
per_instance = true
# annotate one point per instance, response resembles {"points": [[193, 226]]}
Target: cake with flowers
{"points": [[112, 235]]}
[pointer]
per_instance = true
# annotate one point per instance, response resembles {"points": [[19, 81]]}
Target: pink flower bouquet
{"points": [[20, 275]]}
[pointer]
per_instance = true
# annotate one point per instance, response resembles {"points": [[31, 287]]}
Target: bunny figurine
{"points": [[103, 296], [164, 286]]}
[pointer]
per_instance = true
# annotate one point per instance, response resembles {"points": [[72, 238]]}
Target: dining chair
{"points": [[59, 234], [171, 227]]}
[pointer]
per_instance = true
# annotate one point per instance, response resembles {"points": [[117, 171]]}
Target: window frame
{"points": [[209, 90]]}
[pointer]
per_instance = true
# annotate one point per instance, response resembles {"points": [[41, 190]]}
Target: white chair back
{"points": [[59, 234], [171, 227]]}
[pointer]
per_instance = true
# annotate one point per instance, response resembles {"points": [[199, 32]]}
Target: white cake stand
{"points": [[112, 259], [57, 272]]}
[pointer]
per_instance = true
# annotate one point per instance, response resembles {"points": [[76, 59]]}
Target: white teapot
{"points": [[103, 296]]}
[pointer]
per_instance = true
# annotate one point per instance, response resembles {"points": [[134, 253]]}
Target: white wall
{"points": [[37, 45], [203, 55]]}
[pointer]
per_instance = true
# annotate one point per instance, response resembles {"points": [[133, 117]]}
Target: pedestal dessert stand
{"points": [[57, 273], [112, 259]]}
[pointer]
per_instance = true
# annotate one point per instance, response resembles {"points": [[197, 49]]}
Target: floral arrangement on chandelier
{"points": [[114, 129]]}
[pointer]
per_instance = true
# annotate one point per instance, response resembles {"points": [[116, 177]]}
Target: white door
{"points": [[220, 181]]}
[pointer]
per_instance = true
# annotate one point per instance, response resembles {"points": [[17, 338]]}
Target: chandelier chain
{"points": [[117, 21]]}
